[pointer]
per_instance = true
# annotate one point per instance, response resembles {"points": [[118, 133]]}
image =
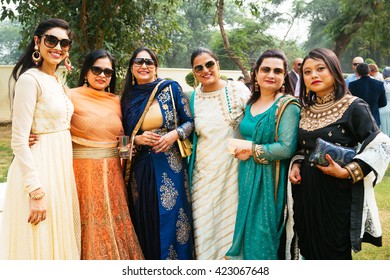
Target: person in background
{"points": [[355, 62], [374, 72], [218, 107], [370, 90], [158, 189], [294, 73], [107, 232], [270, 125], [384, 112], [41, 219], [241, 79], [332, 208]]}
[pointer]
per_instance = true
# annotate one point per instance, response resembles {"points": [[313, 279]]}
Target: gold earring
{"points": [[36, 56], [85, 82], [282, 89], [196, 82], [307, 92], [132, 80], [257, 88], [68, 63]]}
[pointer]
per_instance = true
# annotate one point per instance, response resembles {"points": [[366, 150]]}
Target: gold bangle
{"points": [[355, 172], [38, 196]]}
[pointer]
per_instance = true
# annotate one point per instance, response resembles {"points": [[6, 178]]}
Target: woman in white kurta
{"points": [[41, 213], [218, 107]]}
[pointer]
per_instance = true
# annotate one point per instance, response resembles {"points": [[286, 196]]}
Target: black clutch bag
{"points": [[341, 155]]}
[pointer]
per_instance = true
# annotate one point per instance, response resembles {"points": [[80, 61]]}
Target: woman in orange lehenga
{"points": [[106, 227]]}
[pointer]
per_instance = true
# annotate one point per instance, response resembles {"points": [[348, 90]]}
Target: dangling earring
{"points": [[196, 82], [36, 56], [68, 64], [282, 89], [132, 80], [85, 82], [307, 92], [108, 89], [257, 88]]}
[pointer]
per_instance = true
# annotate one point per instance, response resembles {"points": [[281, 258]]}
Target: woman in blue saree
{"points": [[157, 185], [270, 125]]}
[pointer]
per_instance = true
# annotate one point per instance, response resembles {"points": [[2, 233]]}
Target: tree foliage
{"points": [[116, 25], [9, 40], [351, 28]]}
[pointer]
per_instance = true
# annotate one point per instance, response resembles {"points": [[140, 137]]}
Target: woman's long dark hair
{"points": [[90, 60], [333, 64], [25, 61], [128, 86], [256, 91]]}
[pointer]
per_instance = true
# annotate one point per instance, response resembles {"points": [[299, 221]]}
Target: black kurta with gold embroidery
{"points": [[322, 203]]}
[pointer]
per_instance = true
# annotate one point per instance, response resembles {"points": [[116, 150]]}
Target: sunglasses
{"points": [[51, 41], [199, 68], [266, 70], [355, 64], [299, 64], [140, 61], [96, 70]]}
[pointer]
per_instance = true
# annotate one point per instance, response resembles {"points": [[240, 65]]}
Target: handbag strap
{"points": [[141, 119], [137, 127], [174, 106]]}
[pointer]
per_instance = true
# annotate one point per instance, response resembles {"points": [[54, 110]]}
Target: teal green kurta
{"points": [[260, 222]]}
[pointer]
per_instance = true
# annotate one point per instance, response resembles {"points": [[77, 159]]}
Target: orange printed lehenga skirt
{"points": [[107, 232]]}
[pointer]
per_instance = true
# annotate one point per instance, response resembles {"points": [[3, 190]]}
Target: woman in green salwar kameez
{"points": [[270, 125]]}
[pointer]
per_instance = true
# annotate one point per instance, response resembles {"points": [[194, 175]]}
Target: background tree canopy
{"points": [[174, 28]]}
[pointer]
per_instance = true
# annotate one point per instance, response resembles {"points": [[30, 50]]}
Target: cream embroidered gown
{"points": [[215, 173], [41, 107]]}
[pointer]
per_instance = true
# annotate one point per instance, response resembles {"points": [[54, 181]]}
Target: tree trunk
{"points": [[229, 51], [342, 39]]}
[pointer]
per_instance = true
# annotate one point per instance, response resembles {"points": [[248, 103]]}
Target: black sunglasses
{"points": [[299, 64], [96, 70], [355, 64], [139, 61], [51, 41], [266, 70], [199, 68]]}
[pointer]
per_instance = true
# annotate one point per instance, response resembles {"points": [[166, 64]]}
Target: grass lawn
{"points": [[369, 252], [5, 151]]}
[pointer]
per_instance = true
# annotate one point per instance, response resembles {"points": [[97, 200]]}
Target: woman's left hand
{"points": [[242, 154], [333, 169], [166, 141]]}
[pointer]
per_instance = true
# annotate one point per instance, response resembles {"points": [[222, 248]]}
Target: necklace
{"points": [[326, 98], [232, 121]]}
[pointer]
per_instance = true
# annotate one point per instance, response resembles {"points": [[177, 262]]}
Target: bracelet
{"points": [[257, 153], [38, 196], [355, 172]]}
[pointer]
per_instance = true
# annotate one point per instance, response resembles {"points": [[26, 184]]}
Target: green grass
{"points": [[369, 252], [5, 151]]}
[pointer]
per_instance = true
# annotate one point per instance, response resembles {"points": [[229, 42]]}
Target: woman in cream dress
{"points": [[218, 107], [41, 213]]}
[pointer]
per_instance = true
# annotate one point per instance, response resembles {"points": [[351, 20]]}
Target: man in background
{"points": [[355, 62], [370, 90], [296, 70]]}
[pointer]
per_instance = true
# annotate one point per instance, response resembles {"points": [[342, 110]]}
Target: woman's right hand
{"points": [[32, 139], [147, 138], [38, 208], [295, 174]]}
